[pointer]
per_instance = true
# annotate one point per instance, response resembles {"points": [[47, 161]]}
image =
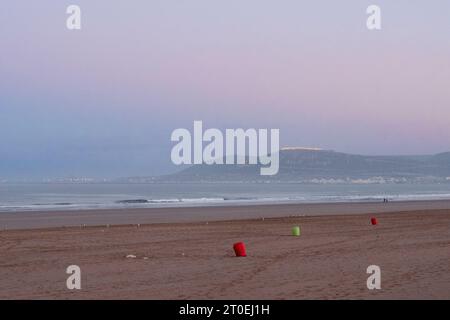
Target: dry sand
{"points": [[195, 260]]}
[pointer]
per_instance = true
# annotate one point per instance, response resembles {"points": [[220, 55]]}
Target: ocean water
{"points": [[29, 197]]}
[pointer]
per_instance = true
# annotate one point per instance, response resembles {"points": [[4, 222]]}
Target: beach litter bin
{"points": [[296, 231], [239, 249], [374, 221]]}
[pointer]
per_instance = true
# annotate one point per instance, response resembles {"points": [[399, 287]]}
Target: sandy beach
{"points": [[195, 260], [50, 219]]}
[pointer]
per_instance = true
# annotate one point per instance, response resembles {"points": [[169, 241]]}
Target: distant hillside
{"points": [[325, 166], [322, 166]]}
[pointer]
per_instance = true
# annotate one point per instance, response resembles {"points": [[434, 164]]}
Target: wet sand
{"points": [[195, 260], [48, 219]]}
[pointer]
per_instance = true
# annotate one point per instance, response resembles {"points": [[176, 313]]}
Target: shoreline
{"points": [[101, 217]]}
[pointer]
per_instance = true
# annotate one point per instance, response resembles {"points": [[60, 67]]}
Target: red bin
{"points": [[239, 249], [374, 221]]}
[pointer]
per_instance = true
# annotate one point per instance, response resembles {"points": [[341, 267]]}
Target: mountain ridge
{"points": [[309, 164]]}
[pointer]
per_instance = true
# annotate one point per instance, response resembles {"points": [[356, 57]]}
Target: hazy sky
{"points": [[103, 101]]}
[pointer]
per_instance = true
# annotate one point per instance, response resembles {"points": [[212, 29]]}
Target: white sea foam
{"points": [[82, 197]]}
